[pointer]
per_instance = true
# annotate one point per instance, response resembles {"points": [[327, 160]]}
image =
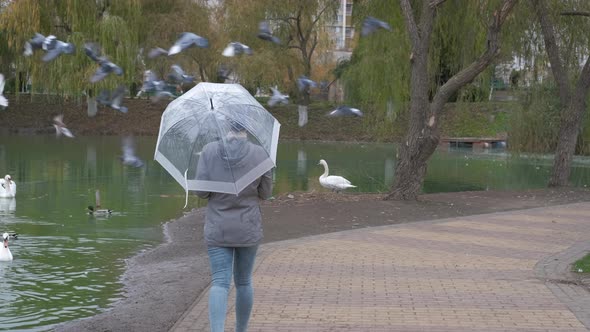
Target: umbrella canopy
{"points": [[218, 138]]}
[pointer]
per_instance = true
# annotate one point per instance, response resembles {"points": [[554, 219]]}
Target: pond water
{"points": [[67, 264]]}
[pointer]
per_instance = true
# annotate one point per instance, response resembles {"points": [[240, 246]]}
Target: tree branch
{"points": [[319, 15], [552, 50], [314, 43], [480, 64], [299, 29], [410, 22]]}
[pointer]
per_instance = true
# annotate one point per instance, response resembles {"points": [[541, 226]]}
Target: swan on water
{"points": [[5, 254], [7, 187], [333, 182]]}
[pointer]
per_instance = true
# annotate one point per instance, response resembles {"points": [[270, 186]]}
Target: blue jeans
{"points": [[222, 260]]}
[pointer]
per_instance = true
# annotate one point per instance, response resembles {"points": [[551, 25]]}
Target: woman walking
{"points": [[233, 225]]}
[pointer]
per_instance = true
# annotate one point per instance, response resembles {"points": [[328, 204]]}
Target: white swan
{"points": [[5, 254], [7, 187], [333, 182]]}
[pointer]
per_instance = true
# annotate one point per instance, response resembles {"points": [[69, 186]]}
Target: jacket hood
{"points": [[234, 150]]}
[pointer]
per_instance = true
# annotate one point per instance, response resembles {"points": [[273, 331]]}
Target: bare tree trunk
{"points": [[566, 145], [573, 101], [569, 129], [423, 136]]}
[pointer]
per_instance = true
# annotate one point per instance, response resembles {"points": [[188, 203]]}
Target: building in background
{"points": [[342, 31]]}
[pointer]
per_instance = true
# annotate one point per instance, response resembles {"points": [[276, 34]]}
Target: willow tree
{"points": [[563, 25], [163, 21], [436, 48], [111, 24]]}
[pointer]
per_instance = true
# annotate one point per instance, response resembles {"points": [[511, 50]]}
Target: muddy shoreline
{"points": [[161, 283]]}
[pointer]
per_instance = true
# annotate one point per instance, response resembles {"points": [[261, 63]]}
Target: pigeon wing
{"points": [[52, 54], [176, 74], [367, 28], [91, 51], [67, 48], [66, 132], [104, 98], [98, 75], [229, 51], [49, 43], [58, 120], [116, 69], [37, 40], [156, 52], [263, 27], [118, 96]]}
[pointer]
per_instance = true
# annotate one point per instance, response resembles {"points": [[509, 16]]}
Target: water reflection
{"points": [[7, 205], [91, 158], [301, 162], [388, 170]]}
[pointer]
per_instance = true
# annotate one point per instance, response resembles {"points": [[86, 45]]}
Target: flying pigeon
{"points": [[153, 85], [304, 83], [129, 158], [223, 72], [186, 40], [3, 100], [277, 98], [178, 76], [60, 127], [371, 24], [114, 99], [156, 52], [92, 50], [35, 43], [235, 48], [265, 34], [105, 66], [54, 48], [346, 111]]}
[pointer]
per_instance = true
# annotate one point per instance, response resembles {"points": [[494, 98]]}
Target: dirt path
{"points": [[162, 283]]}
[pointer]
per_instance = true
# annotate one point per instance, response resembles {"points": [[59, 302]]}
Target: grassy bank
{"points": [[26, 116]]}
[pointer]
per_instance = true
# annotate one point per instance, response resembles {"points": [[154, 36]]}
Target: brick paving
{"points": [[495, 272]]}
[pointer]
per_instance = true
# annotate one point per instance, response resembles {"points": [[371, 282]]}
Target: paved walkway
{"points": [[495, 272]]}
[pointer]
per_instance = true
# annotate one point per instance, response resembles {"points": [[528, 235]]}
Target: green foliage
{"points": [[121, 28], [477, 119], [583, 264], [379, 70], [377, 74], [535, 125]]}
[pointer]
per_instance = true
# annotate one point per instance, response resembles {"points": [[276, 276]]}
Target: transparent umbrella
{"points": [[217, 138]]}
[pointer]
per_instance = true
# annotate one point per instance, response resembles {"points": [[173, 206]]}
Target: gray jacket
{"points": [[233, 220]]}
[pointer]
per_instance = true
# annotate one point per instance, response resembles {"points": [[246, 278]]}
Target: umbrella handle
{"points": [[186, 187]]}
